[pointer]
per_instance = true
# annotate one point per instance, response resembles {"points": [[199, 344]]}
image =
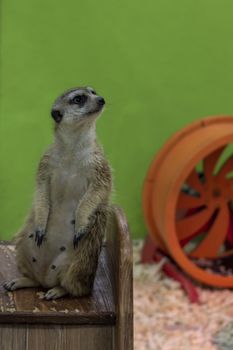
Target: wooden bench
{"points": [[103, 321]]}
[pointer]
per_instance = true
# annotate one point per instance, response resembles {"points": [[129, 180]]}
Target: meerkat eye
{"points": [[93, 92], [79, 100]]}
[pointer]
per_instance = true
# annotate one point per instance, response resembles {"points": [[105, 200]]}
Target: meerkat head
{"points": [[77, 105]]}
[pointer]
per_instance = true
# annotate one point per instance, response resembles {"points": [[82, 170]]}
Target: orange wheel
{"points": [[187, 200]]}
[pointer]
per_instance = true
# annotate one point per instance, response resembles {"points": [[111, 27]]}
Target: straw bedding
{"points": [[164, 319]]}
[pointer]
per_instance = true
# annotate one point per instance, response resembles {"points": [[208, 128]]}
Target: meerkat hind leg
{"points": [[21, 282], [55, 293]]}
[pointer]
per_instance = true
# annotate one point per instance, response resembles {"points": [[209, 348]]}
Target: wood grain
{"points": [[55, 337], [119, 255], [12, 338]]}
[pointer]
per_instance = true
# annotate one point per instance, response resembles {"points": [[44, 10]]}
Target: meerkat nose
{"points": [[57, 115], [100, 101]]}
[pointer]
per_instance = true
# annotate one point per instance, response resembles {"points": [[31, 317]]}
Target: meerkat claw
{"points": [[39, 237], [21, 282], [55, 293], [78, 236], [9, 286]]}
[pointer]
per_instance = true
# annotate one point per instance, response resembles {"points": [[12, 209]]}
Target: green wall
{"points": [[159, 63]]}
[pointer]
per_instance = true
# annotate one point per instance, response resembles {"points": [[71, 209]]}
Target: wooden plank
{"points": [[24, 306], [69, 338], [13, 338], [38, 337], [124, 336], [119, 255]]}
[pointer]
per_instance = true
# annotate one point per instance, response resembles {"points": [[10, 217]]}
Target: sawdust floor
{"points": [[164, 319]]}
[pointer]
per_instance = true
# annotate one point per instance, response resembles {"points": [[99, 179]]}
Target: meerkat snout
{"points": [[57, 115], [101, 101], [76, 105]]}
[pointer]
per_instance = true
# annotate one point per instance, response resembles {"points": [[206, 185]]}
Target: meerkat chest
{"points": [[69, 181], [70, 177]]}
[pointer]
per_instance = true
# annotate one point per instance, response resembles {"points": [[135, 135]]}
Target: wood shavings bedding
{"points": [[164, 319]]}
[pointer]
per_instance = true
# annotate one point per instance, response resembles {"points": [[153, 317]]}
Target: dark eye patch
{"points": [[79, 100], [93, 92]]}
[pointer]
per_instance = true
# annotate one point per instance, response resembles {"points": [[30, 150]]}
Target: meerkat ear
{"points": [[57, 115]]}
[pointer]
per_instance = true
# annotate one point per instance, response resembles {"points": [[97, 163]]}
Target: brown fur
{"points": [[84, 265]]}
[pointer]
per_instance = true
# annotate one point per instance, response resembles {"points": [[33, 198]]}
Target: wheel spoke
{"points": [[189, 225], [210, 163], [210, 245], [186, 201], [226, 168], [194, 182]]}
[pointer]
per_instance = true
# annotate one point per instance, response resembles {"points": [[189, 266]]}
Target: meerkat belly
{"points": [[67, 190]]}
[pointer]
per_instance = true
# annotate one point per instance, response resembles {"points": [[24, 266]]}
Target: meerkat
{"points": [[60, 242]]}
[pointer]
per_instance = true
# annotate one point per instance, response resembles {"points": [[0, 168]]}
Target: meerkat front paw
{"points": [[39, 236], [79, 235], [21, 282], [55, 293], [83, 231]]}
